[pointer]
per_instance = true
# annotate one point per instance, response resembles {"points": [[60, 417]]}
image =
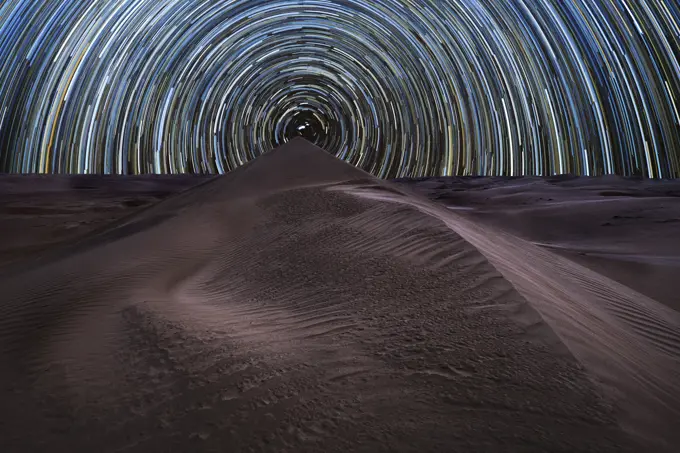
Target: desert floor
{"points": [[299, 304]]}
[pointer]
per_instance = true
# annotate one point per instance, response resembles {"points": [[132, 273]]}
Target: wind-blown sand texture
{"points": [[299, 304]]}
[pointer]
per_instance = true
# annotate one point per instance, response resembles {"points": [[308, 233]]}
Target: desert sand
{"points": [[300, 304]]}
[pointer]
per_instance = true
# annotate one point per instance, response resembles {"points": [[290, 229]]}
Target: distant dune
{"points": [[627, 229], [299, 304]]}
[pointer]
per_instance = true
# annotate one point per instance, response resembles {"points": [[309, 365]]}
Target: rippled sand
{"points": [[298, 304]]}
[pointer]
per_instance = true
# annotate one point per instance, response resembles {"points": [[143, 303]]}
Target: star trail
{"points": [[397, 87]]}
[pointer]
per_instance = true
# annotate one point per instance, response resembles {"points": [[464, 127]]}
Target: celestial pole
{"points": [[397, 87]]}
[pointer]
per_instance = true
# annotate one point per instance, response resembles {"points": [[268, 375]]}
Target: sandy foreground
{"points": [[299, 304]]}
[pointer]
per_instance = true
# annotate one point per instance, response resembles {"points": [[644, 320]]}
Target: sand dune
{"points": [[629, 342], [41, 212], [299, 304]]}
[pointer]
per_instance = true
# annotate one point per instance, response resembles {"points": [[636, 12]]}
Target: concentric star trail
{"points": [[397, 87]]}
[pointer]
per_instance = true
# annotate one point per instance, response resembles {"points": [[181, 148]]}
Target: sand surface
{"points": [[298, 304]]}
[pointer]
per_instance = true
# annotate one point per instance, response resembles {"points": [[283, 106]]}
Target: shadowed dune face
{"points": [[290, 315]]}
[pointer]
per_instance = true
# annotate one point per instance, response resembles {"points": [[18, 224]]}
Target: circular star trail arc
{"points": [[397, 87]]}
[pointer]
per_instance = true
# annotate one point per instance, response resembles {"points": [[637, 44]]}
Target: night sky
{"points": [[397, 87]]}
